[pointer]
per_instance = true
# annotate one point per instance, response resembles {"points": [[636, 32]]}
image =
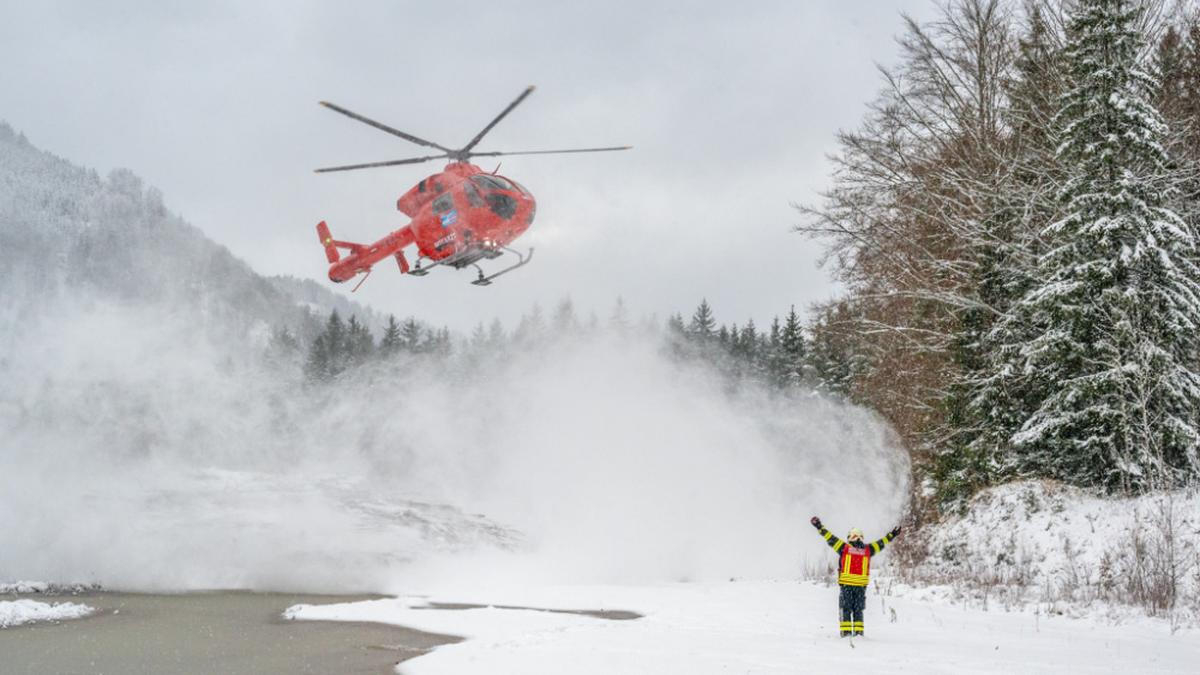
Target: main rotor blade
{"points": [[372, 165], [515, 103], [549, 152], [382, 127]]}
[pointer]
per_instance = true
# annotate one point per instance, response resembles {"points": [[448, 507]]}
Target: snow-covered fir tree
{"points": [[792, 351], [564, 321], [995, 393], [1111, 364], [832, 356], [531, 330], [675, 327], [391, 342], [360, 344], [618, 320], [411, 335], [703, 325]]}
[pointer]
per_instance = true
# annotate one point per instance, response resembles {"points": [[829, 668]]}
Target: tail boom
{"points": [[361, 256]]}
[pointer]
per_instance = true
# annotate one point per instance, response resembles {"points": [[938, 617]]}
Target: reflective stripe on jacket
{"points": [[855, 566], [854, 563]]}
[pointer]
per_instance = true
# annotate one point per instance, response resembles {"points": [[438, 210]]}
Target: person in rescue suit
{"points": [[854, 570]]}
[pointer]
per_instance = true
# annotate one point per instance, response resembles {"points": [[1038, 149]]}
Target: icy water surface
{"points": [[219, 632]]}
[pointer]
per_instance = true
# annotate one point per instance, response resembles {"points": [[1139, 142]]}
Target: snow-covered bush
{"points": [[1035, 542], [1156, 566]]}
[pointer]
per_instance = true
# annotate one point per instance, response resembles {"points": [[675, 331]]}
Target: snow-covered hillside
{"points": [[1068, 551], [69, 236]]}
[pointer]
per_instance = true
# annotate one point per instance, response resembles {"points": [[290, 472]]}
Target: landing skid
{"points": [[487, 281], [470, 257]]}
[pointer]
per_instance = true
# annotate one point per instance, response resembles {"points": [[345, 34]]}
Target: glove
{"points": [[895, 532], [816, 522]]}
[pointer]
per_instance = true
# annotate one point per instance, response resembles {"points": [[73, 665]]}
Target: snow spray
{"points": [[138, 455]]}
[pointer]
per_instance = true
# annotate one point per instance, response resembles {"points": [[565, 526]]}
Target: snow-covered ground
{"points": [[24, 587], [758, 627], [18, 612]]}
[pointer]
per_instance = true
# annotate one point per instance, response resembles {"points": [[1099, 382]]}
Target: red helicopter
{"points": [[459, 216]]}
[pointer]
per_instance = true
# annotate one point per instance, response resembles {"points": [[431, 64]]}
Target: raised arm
{"points": [[877, 545], [834, 543]]}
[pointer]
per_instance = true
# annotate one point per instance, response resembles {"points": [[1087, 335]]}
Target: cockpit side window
{"points": [[473, 197], [502, 205], [443, 203]]}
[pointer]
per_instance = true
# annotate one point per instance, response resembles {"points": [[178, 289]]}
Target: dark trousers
{"points": [[851, 601]]}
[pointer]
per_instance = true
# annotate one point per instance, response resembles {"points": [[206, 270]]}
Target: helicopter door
{"points": [[443, 208], [473, 196]]}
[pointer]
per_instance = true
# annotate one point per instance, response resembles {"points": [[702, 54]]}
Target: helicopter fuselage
{"points": [[458, 216]]}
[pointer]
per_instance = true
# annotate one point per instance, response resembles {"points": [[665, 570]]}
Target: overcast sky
{"points": [[732, 109]]}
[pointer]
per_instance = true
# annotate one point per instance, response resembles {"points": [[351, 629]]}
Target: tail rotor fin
{"points": [[331, 252]]}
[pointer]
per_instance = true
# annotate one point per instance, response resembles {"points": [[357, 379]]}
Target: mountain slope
{"points": [[66, 234]]}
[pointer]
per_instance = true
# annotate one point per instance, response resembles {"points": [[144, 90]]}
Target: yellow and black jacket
{"points": [[854, 563]]}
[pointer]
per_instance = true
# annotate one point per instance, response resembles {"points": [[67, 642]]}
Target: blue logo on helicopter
{"points": [[449, 218]]}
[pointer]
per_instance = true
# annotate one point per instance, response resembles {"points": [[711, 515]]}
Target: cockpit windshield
{"points": [[490, 182]]}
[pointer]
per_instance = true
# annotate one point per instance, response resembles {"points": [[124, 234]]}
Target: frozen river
{"points": [[218, 632]]}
